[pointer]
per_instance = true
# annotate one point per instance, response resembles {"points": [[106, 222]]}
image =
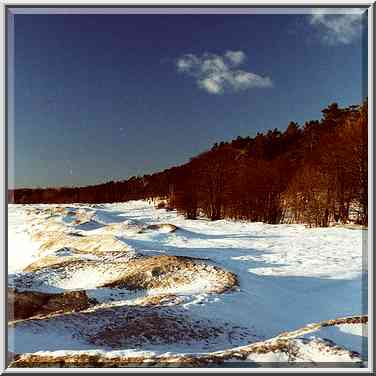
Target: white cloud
{"points": [[187, 62], [336, 28], [235, 57], [211, 85], [219, 73]]}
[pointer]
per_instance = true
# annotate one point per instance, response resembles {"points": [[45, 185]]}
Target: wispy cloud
{"points": [[235, 57], [333, 28], [217, 74]]}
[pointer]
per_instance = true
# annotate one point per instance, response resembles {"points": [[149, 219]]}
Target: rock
{"points": [[22, 305], [26, 304]]}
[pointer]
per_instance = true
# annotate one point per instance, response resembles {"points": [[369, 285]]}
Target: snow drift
{"points": [[123, 284]]}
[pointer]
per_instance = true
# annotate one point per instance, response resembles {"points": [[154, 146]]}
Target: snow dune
{"points": [[288, 276]]}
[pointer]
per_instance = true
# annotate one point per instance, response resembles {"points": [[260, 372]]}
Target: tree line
{"points": [[314, 174]]}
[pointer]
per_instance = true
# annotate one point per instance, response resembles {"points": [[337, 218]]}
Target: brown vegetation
{"points": [[315, 174], [94, 244], [132, 273], [170, 272], [154, 326], [159, 300], [284, 343], [118, 327]]}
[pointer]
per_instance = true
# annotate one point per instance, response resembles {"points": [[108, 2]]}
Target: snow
{"points": [[350, 336], [289, 275], [22, 251]]}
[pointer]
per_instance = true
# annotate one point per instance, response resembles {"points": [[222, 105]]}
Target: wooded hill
{"points": [[314, 174]]}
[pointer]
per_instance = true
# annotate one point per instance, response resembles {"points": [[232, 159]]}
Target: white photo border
{"points": [[241, 7]]}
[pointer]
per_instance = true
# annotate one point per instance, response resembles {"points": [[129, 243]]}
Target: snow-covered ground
{"points": [[22, 251], [288, 276]]}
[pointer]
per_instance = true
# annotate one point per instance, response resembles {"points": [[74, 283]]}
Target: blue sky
{"points": [[105, 97]]}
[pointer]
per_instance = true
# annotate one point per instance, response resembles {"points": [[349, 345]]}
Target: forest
{"points": [[315, 173]]}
